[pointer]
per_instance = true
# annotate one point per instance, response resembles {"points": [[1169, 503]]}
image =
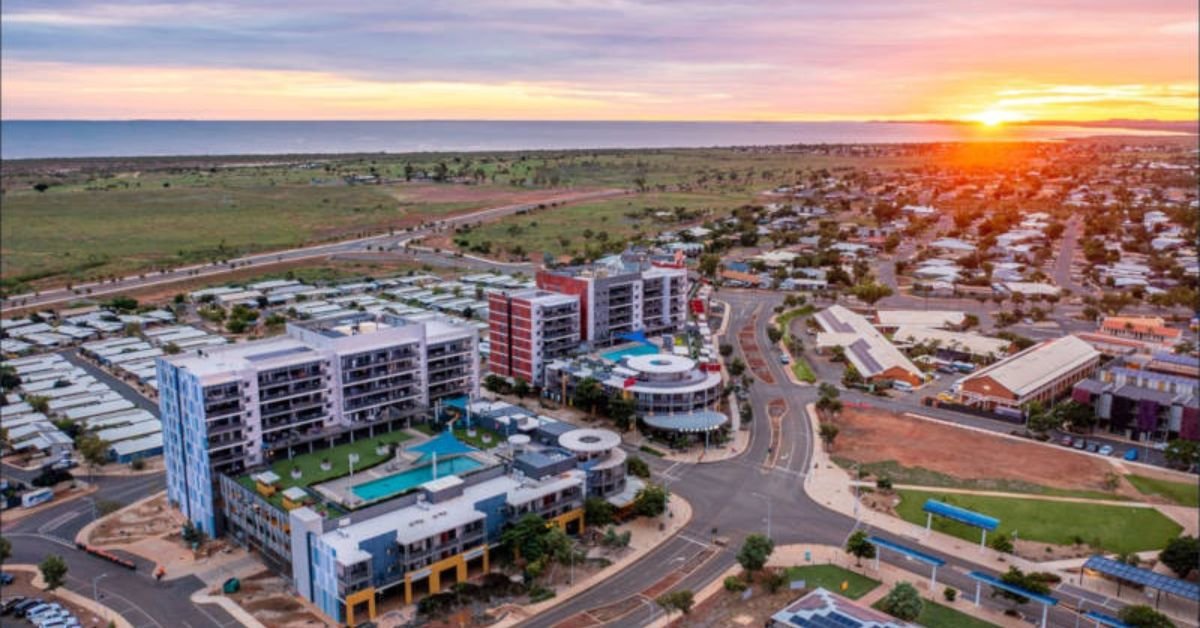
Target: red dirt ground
{"points": [[871, 435]]}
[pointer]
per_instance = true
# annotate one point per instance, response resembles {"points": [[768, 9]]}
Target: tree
{"points": [[709, 265], [1040, 419], [1017, 578], [859, 547], [1002, 542], [10, 380], [54, 571], [621, 410], [616, 540], [520, 388], [902, 602], [1075, 415], [637, 467], [651, 501], [676, 601], [93, 449], [774, 334], [726, 350], [5, 549], [829, 432], [38, 403], [588, 394], [1182, 555], [1142, 616], [527, 537], [598, 512], [1180, 453], [737, 367], [756, 549], [871, 292]]}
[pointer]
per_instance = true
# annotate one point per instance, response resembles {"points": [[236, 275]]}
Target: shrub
{"points": [[884, 483], [734, 584], [903, 602], [540, 594], [137, 464], [950, 593]]}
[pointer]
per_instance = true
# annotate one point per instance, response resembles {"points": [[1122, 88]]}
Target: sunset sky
{"points": [[601, 59]]}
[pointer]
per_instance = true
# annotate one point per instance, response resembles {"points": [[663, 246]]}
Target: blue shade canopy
{"points": [[444, 444], [961, 515], [1144, 577], [1000, 584], [917, 555]]}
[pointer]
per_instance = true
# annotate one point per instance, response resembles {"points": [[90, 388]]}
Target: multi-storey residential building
{"points": [[526, 328], [234, 407], [618, 293], [430, 541]]}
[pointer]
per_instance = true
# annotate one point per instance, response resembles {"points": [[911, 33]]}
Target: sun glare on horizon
{"points": [[995, 117]]}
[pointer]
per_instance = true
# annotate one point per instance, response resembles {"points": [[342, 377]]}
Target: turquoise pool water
{"points": [[640, 349], [400, 482]]}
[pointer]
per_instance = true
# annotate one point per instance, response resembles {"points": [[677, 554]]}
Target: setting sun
{"points": [[995, 117]]}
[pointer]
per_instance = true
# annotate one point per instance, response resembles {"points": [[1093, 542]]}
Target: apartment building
{"points": [[234, 407], [343, 566], [526, 328], [622, 294]]}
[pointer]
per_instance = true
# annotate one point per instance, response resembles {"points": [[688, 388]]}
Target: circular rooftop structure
{"points": [[518, 439], [660, 364], [589, 440]]}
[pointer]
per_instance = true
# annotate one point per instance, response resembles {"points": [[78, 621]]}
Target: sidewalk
{"points": [[646, 537]]}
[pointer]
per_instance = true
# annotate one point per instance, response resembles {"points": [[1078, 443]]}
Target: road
{"points": [[384, 241], [135, 595], [729, 499]]}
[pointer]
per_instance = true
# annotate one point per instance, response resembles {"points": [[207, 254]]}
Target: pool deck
{"points": [[341, 490]]}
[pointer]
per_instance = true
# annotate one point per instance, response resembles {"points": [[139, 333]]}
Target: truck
{"points": [[36, 496]]}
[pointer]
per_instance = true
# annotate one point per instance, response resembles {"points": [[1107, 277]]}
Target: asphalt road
{"points": [[734, 498], [383, 241], [135, 595]]}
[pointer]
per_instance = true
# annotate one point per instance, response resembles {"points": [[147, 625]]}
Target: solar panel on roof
{"points": [[1144, 577]]}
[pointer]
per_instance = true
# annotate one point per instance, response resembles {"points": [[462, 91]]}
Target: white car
{"points": [[1106, 450]]}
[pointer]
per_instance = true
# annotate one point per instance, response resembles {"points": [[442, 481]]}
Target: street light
{"points": [[96, 592], [768, 500]]}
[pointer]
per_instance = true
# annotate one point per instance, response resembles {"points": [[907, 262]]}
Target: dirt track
{"points": [[869, 435]]}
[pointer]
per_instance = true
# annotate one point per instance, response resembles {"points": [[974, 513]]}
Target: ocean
{"points": [[28, 139]]}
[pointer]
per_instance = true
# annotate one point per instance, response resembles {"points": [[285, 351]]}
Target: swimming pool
{"points": [[638, 349], [405, 480]]}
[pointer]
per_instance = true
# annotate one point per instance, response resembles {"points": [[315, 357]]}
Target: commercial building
{"points": [[659, 383], [1041, 373], [1152, 331], [621, 294], [526, 328], [954, 344], [229, 408], [865, 347]]}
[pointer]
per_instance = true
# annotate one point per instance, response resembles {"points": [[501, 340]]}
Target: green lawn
{"points": [[1117, 529], [477, 441], [934, 615], [1182, 493], [831, 577], [803, 370]]}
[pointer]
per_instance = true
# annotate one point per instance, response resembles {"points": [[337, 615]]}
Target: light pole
{"points": [[96, 592], [768, 500]]}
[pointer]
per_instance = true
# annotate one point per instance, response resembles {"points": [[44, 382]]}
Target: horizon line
{"points": [[1048, 121]]}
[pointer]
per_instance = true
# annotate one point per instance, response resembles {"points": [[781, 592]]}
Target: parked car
{"points": [[1093, 446], [1065, 441], [1105, 450], [1131, 454], [5, 578], [7, 607], [784, 359], [20, 608], [1079, 444]]}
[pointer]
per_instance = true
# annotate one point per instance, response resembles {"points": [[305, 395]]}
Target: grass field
{"points": [[75, 235], [1182, 493], [831, 577], [476, 441], [800, 366], [934, 615], [1116, 529], [918, 476], [576, 229]]}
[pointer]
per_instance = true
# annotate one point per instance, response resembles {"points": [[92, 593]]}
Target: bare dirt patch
{"points": [[871, 435], [266, 597], [148, 519], [729, 609]]}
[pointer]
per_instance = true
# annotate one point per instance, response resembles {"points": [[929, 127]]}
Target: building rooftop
{"points": [[1038, 365]]}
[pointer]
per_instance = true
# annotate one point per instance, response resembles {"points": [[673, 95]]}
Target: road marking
{"points": [[58, 521]]}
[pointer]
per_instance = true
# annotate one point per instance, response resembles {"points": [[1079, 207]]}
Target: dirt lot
{"points": [[149, 519], [728, 609], [870, 435], [267, 598]]}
